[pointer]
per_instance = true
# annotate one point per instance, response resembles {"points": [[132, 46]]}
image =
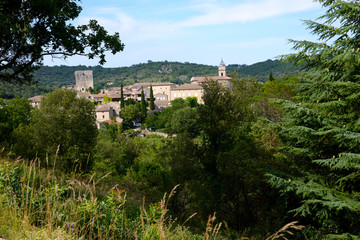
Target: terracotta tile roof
{"points": [[113, 104], [98, 95], [202, 79], [113, 95], [102, 108], [163, 84], [188, 86], [147, 84]]}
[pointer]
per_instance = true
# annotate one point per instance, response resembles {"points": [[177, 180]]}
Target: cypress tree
{"points": [[122, 103], [143, 106], [322, 130], [271, 77], [152, 105]]}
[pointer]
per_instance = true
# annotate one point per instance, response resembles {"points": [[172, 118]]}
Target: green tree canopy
{"points": [[13, 113], [33, 29], [63, 125], [192, 101], [322, 131], [184, 120], [131, 114]]}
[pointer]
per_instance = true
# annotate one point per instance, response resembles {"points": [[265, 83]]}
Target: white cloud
{"points": [[156, 35], [113, 19], [216, 13], [212, 12], [131, 29]]}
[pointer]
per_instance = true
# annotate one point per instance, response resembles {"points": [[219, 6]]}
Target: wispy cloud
{"points": [[113, 19], [199, 30], [215, 13], [205, 13]]}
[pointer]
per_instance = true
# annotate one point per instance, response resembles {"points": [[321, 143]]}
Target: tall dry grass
{"points": [[38, 204]]}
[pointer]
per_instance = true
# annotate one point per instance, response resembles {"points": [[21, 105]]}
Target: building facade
{"points": [[195, 89]]}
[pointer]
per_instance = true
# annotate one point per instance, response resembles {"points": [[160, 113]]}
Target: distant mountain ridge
{"points": [[176, 72]]}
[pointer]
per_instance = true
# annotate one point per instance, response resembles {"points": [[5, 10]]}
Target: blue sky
{"points": [[198, 31]]}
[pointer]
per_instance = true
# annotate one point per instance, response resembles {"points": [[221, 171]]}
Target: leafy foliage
{"points": [[13, 113], [322, 131], [63, 126], [34, 29]]}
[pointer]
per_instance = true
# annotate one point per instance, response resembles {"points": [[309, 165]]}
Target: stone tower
{"points": [[84, 80], [222, 69]]}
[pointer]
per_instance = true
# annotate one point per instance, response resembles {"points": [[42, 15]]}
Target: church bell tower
{"points": [[222, 69]]}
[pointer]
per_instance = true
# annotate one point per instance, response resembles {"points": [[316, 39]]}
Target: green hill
{"points": [[176, 72]]}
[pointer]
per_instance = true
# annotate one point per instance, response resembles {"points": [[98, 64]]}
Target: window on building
{"points": [[189, 94], [174, 94], [103, 116], [196, 94]]}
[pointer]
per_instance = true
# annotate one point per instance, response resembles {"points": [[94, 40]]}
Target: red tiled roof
{"points": [[102, 108], [113, 95], [98, 95], [154, 84], [188, 86], [216, 78]]}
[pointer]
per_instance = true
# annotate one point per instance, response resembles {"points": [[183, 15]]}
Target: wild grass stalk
{"points": [[37, 204]]}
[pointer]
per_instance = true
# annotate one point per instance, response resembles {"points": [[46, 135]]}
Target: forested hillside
{"points": [[51, 77], [159, 72]]}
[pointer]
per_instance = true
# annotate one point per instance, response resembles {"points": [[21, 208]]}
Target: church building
{"points": [[195, 89]]}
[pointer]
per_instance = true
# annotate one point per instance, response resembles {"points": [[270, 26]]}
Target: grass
{"points": [[37, 204]]}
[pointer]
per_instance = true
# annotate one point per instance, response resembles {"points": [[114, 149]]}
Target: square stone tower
{"points": [[84, 80]]}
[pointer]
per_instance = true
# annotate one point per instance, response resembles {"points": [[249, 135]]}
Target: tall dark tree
{"points": [[122, 101], [143, 106], [322, 131], [152, 104], [33, 29], [230, 162], [271, 77]]}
